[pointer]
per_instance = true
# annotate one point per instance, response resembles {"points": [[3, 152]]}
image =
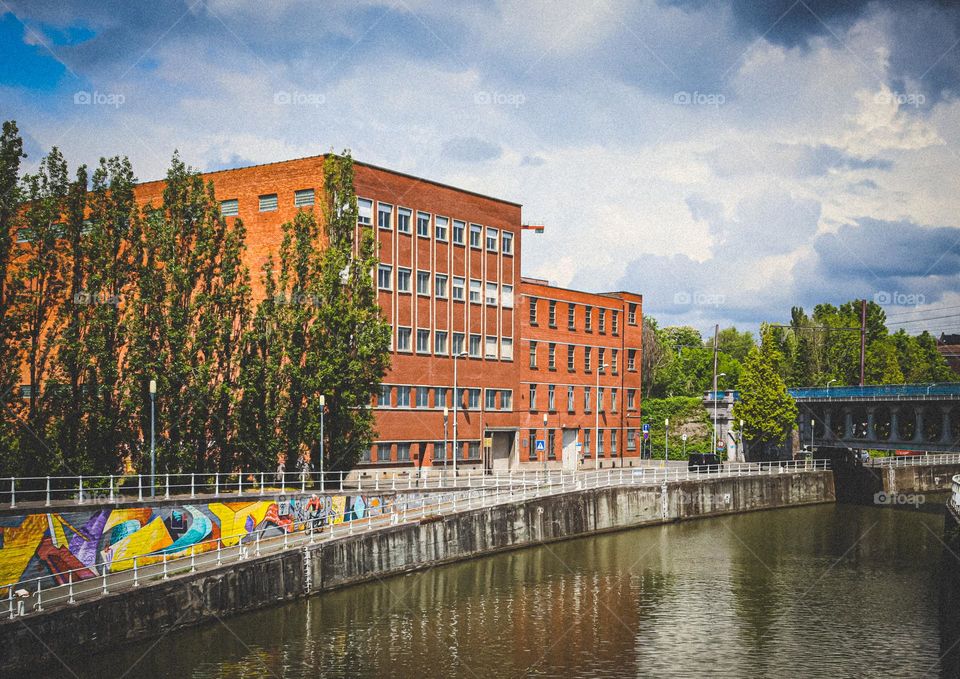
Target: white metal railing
{"points": [[955, 492], [31, 595], [915, 460], [79, 490]]}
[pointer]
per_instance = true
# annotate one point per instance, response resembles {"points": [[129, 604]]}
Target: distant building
{"points": [[949, 348]]}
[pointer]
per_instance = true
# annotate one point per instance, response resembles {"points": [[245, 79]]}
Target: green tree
{"points": [[734, 343], [765, 406]]}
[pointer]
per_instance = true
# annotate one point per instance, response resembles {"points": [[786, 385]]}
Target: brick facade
{"points": [[450, 281]]}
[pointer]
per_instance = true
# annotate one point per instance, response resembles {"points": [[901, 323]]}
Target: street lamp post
{"points": [[456, 397], [740, 452], [323, 407], [716, 433], [666, 441], [596, 457], [446, 414], [153, 447], [831, 382], [545, 437], [813, 423]]}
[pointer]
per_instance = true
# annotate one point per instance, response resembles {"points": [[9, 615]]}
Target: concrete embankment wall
{"points": [[861, 485], [189, 599]]}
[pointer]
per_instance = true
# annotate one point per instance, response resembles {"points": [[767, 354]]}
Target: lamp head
{"points": [[153, 386], [323, 400], [446, 412]]}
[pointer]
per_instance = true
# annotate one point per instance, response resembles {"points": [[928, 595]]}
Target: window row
{"points": [[437, 451], [587, 316], [437, 398], [269, 202], [441, 286], [587, 361], [549, 394], [443, 228], [479, 346], [553, 446]]}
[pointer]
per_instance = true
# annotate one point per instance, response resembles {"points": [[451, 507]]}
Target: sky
{"points": [[725, 160]]}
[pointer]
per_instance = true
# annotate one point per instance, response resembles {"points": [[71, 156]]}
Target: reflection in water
{"points": [[817, 591]]}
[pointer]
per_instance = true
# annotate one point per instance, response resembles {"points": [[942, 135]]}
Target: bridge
{"points": [[914, 417]]}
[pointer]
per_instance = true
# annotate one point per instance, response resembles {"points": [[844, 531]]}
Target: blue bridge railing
{"points": [[880, 391]]}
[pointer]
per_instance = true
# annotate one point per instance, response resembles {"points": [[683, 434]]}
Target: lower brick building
{"points": [[516, 350]]}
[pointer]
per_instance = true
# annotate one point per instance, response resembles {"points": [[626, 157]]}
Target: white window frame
{"points": [[403, 273], [492, 243], [381, 268], [459, 284], [459, 226], [404, 331], [404, 215], [364, 211], [440, 227], [440, 285], [490, 347], [476, 230], [488, 298], [476, 291], [424, 335], [506, 246], [423, 276], [506, 348], [385, 209], [421, 218]]}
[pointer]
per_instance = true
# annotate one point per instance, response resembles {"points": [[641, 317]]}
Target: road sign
{"points": [[541, 445], [720, 444], [488, 442], [683, 438], [646, 436], [646, 428]]}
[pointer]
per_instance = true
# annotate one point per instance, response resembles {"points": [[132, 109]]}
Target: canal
{"points": [[822, 591]]}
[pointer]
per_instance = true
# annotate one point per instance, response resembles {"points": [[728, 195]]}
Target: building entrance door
{"points": [[570, 453], [501, 450]]}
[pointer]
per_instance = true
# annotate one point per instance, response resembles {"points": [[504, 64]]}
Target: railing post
{"points": [[219, 544], [240, 483], [191, 484], [360, 480], [193, 559], [105, 590], [261, 483], [111, 488], [166, 494], [10, 599], [341, 488], [70, 599], [80, 500], [216, 483], [140, 487], [136, 578], [165, 577], [48, 491], [39, 605], [13, 492], [303, 482]]}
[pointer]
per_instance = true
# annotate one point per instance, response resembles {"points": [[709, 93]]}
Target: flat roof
{"points": [[356, 162]]}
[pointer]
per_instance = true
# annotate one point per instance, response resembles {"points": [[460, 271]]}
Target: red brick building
{"points": [[450, 285]]}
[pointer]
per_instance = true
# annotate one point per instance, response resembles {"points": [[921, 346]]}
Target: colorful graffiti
{"points": [[91, 542]]}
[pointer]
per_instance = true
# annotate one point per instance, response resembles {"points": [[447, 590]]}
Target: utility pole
{"points": [[716, 332], [863, 337]]}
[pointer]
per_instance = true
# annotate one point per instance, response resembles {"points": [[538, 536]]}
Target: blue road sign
{"points": [[541, 445], [646, 428]]}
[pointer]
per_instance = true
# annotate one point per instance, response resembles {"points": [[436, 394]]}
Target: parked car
{"points": [[704, 462], [862, 456]]}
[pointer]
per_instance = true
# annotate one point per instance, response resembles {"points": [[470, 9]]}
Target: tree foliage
{"points": [[765, 406]]}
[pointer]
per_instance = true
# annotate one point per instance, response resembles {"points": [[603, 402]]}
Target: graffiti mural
{"points": [[93, 541]]}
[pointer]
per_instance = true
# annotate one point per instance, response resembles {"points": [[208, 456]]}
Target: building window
{"points": [[228, 208], [551, 444], [588, 319], [403, 279], [533, 311], [533, 397], [615, 322], [403, 219], [600, 399], [491, 296], [458, 291], [473, 450], [506, 349], [439, 451], [552, 319], [632, 314], [440, 224], [600, 443], [506, 296], [473, 399], [571, 397], [457, 343], [602, 320], [601, 355], [586, 358], [423, 341], [385, 277], [614, 361], [383, 452], [304, 198], [423, 283], [491, 347], [631, 359], [385, 216], [571, 358], [383, 398], [476, 232], [493, 235], [533, 354], [459, 397], [613, 443], [631, 439], [403, 397], [490, 397], [571, 317], [475, 290], [552, 356], [551, 398], [439, 397], [403, 339], [507, 240], [586, 442], [532, 452], [268, 202], [403, 452], [423, 397], [364, 211], [440, 285], [423, 224], [506, 400], [613, 399], [475, 346], [631, 399], [440, 342], [587, 406], [367, 454], [458, 229]]}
